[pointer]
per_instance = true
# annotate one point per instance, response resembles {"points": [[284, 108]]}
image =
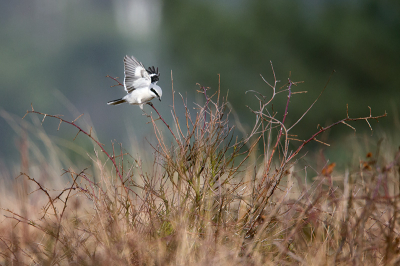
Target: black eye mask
{"points": [[153, 90]]}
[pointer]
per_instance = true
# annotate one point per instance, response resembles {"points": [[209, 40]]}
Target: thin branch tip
{"points": [[77, 118]]}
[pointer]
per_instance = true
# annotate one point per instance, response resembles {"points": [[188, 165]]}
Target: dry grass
{"points": [[209, 198]]}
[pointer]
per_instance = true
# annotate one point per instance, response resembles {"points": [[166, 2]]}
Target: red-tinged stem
{"points": [[151, 104], [87, 134], [328, 127], [205, 106], [115, 79], [281, 130]]}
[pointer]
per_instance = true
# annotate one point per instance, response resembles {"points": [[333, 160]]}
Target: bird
{"points": [[139, 83]]}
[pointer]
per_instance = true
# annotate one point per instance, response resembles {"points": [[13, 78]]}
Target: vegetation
{"points": [[210, 197]]}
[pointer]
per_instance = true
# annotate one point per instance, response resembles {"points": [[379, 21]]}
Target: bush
{"points": [[212, 198]]}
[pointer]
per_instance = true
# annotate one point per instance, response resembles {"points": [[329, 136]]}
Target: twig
{"points": [[116, 79], [281, 130], [309, 108], [343, 121], [87, 134], [162, 119]]}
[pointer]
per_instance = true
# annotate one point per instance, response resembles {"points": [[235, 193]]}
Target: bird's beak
{"points": [[159, 99]]}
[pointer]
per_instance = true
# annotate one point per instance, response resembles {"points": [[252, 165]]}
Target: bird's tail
{"points": [[115, 102]]}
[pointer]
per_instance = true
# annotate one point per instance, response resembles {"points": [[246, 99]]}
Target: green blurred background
{"points": [[56, 54]]}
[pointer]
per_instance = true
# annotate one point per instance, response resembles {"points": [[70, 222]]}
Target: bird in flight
{"points": [[139, 83]]}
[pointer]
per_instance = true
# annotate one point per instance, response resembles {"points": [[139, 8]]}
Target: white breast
{"points": [[139, 96]]}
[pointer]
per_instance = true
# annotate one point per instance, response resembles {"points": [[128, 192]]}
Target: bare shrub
{"points": [[213, 198]]}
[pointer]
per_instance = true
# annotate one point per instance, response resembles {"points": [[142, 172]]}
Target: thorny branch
{"points": [[112, 159], [343, 121], [265, 123]]}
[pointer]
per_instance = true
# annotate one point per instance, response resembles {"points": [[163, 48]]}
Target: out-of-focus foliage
{"points": [[358, 40]]}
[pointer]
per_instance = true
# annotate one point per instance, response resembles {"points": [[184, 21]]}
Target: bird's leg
{"points": [[144, 112]]}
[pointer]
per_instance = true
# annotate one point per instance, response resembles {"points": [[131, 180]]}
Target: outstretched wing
{"points": [[153, 73], [136, 75]]}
